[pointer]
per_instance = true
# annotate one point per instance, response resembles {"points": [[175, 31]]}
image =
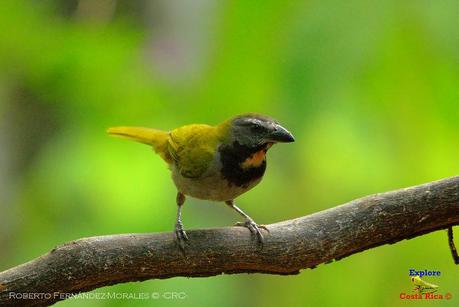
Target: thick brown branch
{"points": [[292, 245]]}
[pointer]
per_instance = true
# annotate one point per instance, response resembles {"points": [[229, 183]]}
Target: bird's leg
{"points": [[179, 231], [249, 222]]}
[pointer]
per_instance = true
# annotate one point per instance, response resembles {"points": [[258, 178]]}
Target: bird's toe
{"points": [[255, 229], [181, 236]]}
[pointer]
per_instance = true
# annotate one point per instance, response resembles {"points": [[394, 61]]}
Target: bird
{"points": [[422, 286], [216, 163]]}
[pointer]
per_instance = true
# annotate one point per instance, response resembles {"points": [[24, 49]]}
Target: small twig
{"points": [[452, 247]]}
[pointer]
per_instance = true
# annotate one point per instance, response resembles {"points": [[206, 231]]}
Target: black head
{"points": [[254, 130]]}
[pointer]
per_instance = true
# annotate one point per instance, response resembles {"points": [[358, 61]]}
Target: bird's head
{"points": [[255, 130], [416, 280]]}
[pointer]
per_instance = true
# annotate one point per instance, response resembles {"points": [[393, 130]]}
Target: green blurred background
{"points": [[370, 89]]}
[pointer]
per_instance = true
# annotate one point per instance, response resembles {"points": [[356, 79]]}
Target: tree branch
{"points": [[305, 242]]}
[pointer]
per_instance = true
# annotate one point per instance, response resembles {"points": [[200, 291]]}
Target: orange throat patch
{"points": [[255, 160]]}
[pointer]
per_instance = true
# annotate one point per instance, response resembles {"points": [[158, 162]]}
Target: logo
{"points": [[422, 289]]}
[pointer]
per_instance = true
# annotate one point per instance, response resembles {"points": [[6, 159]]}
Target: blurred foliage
{"points": [[370, 90]]}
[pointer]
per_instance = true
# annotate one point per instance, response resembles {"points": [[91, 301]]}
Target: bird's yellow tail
{"points": [[156, 138]]}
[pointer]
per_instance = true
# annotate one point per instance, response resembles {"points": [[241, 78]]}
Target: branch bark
{"points": [[305, 242]]}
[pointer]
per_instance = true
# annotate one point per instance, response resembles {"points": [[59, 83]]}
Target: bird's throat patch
{"points": [[239, 163], [254, 160]]}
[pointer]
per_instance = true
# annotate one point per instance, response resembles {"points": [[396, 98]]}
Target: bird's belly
{"points": [[211, 187]]}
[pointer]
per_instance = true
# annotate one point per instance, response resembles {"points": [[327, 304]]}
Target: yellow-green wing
{"points": [[193, 148]]}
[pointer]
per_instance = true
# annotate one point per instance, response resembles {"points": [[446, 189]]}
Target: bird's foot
{"points": [[181, 236], [254, 228]]}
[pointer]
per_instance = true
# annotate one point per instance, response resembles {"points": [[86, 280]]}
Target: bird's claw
{"points": [[181, 236], [254, 228]]}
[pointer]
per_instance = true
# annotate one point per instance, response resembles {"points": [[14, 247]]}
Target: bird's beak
{"points": [[280, 134]]}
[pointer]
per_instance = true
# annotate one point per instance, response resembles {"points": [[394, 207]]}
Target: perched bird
{"points": [[216, 163], [421, 286]]}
